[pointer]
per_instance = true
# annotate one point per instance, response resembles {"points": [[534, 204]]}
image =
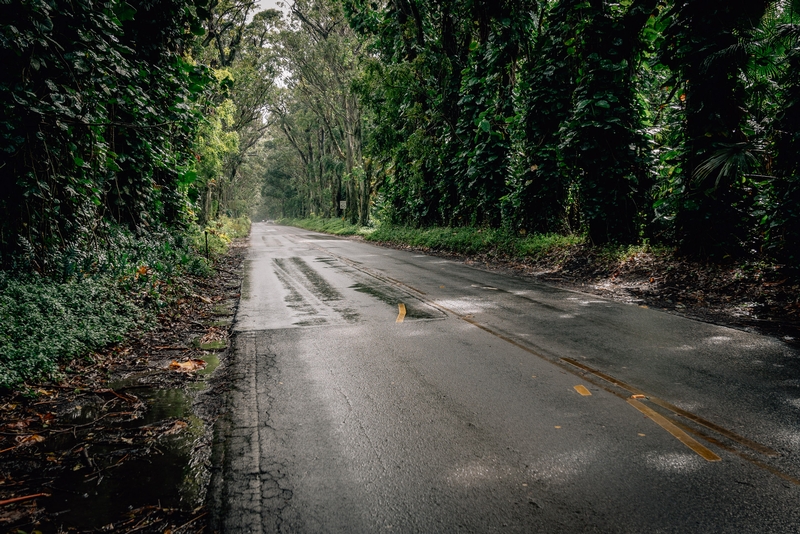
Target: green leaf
{"points": [[124, 11]]}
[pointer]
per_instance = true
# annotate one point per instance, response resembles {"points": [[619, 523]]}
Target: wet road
{"points": [[377, 390]]}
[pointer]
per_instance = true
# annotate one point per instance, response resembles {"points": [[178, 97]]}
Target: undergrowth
{"points": [[95, 299], [461, 240], [329, 226]]}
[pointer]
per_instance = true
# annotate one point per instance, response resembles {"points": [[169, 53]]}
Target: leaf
{"points": [[177, 427], [124, 11], [26, 441], [187, 366], [18, 425]]}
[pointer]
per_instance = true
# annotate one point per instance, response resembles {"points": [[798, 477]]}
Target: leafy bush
{"points": [[99, 105], [218, 234], [330, 226], [46, 322], [100, 297]]}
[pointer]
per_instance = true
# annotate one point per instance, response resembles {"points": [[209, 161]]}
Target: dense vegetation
{"points": [[668, 121], [116, 146], [130, 128]]}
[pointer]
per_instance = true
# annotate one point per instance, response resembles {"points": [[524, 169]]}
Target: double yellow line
{"points": [[678, 429]]}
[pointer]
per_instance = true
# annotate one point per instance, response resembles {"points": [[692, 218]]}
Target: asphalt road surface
{"points": [[378, 390]]}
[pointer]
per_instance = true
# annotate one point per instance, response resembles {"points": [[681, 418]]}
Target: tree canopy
{"points": [[635, 120], [664, 120]]}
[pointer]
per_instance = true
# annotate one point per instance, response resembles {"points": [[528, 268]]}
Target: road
{"points": [[377, 390]]}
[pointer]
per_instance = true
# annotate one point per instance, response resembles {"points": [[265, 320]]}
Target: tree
{"points": [[100, 105]]}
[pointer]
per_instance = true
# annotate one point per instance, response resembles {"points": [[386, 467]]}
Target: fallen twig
{"points": [[74, 427], [24, 498], [190, 521], [226, 271]]}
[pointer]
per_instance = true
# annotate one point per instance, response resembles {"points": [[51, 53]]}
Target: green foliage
{"points": [[461, 239], [705, 45], [213, 239], [46, 322], [215, 145], [99, 298], [471, 240], [329, 226], [782, 217], [99, 106], [629, 120]]}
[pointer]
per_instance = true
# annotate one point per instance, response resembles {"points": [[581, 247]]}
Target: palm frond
{"points": [[732, 160], [788, 32]]}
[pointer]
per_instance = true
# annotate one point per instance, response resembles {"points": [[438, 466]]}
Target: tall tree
{"points": [[703, 47]]}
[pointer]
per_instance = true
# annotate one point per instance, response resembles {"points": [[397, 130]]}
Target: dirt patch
{"points": [[758, 297], [123, 443]]}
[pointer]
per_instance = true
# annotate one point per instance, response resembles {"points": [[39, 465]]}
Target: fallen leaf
{"points": [[19, 425], [637, 396], [24, 441], [187, 366], [47, 417], [177, 427]]}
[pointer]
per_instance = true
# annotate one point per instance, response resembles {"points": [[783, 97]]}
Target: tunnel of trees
{"points": [[668, 121]]}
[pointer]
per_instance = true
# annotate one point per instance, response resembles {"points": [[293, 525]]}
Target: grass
{"points": [[99, 297], [218, 234], [329, 226], [461, 240]]}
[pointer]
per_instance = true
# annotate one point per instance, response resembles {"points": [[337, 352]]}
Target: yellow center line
{"points": [[402, 315], [763, 449], [583, 391], [735, 451], [682, 436]]}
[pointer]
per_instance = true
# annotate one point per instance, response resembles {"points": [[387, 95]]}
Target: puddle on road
{"points": [[324, 290], [296, 275], [322, 237]]}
